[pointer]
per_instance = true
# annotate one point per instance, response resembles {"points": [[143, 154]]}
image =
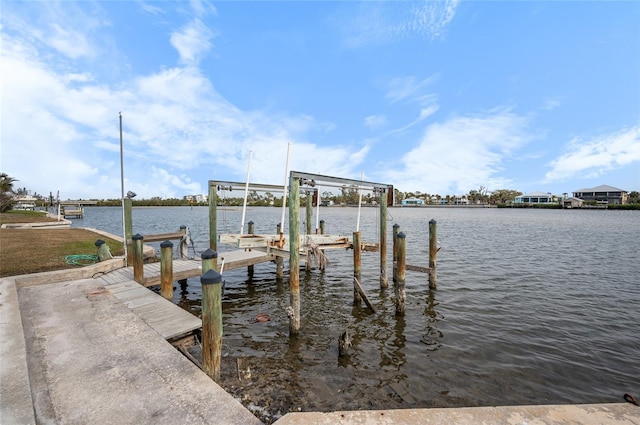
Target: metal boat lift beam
{"points": [[307, 179], [231, 186]]}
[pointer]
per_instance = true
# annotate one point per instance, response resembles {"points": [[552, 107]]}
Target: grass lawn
{"points": [[24, 251]]}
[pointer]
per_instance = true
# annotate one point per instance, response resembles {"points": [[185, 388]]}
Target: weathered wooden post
{"points": [[357, 265], [399, 286], [184, 242], [433, 251], [322, 227], [213, 217], [279, 259], [250, 229], [211, 323], [396, 228], [128, 229], [309, 212], [103, 250], [138, 261], [308, 218], [294, 256], [384, 280], [209, 260], [166, 269]]}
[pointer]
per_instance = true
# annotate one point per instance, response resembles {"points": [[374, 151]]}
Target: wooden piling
{"points": [[209, 260], [384, 280], [309, 216], [103, 250], [322, 227], [250, 230], [211, 323], [294, 256], [399, 285], [357, 266], [128, 229], [396, 228], [433, 251], [138, 261], [166, 270], [279, 260], [213, 217]]}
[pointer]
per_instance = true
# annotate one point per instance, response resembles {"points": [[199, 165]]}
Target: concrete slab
{"points": [[92, 360], [16, 406], [586, 414]]}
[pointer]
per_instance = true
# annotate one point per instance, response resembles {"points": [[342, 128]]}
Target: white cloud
{"points": [[60, 128], [462, 153], [192, 42], [375, 122], [381, 23], [401, 88], [597, 156]]}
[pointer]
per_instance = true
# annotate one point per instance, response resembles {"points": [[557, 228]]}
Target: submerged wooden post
{"points": [[294, 256], [213, 217], [128, 229], [433, 251], [211, 323], [103, 250], [279, 260], [396, 228], [322, 227], [138, 262], [250, 229], [166, 269], [399, 286], [357, 265], [209, 260], [384, 280]]}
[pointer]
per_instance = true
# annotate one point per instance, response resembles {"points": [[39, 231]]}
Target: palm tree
{"points": [[6, 191]]}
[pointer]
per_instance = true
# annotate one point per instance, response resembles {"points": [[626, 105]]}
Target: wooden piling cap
{"points": [[396, 225], [166, 244], [209, 254], [99, 242], [210, 277], [183, 227], [432, 221], [251, 222], [137, 237], [401, 235]]}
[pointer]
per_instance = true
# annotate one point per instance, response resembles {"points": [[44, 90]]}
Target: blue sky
{"points": [[440, 97]]}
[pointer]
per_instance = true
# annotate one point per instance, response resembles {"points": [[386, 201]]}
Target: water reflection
{"points": [[515, 332]]}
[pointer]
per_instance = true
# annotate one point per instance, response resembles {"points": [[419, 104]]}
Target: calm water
{"points": [[532, 307]]}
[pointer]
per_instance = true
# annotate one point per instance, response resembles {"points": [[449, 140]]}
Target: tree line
{"points": [[347, 195]]}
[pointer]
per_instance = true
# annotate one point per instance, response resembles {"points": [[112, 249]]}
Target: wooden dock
{"points": [[166, 318]]}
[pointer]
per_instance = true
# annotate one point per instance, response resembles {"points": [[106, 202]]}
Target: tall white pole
{"points": [[246, 192], [124, 230], [286, 184], [359, 201]]}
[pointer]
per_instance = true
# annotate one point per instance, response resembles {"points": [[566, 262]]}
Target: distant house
{"points": [[534, 198], [461, 200], [412, 202], [571, 202], [602, 194], [24, 202]]}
